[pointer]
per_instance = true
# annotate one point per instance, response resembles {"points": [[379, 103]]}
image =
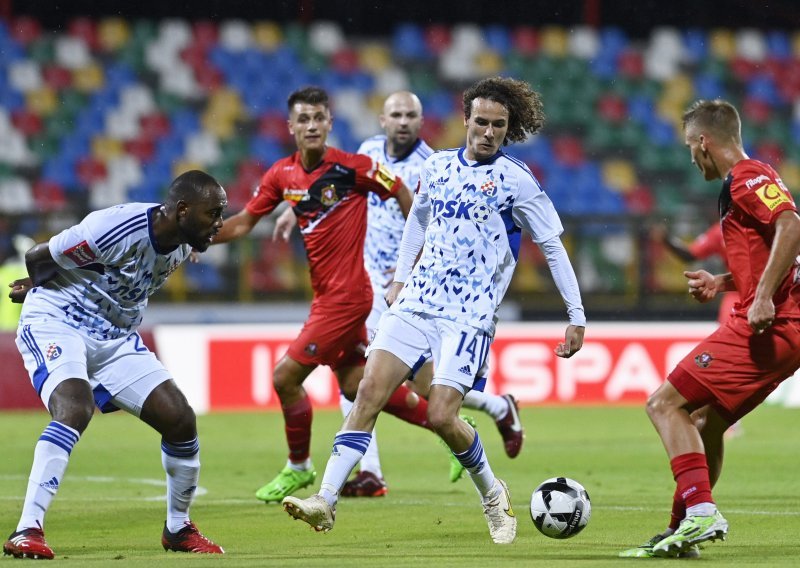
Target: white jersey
{"points": [[109, 268], [475, 213], [385, 220]]}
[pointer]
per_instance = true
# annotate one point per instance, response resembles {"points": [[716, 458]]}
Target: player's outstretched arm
{"points": [[235, 227]]}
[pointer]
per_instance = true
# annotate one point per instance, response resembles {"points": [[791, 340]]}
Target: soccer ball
{"points": [[560, 507]]}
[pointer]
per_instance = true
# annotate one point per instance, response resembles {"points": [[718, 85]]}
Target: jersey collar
{"points": [[402, 157], [491, 160]]}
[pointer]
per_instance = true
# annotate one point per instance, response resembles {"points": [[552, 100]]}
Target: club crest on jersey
{"points": [[704, 359], [772, 195], [311, 349], [81, 254], [53, 352], [489, 188], [327, 195]]}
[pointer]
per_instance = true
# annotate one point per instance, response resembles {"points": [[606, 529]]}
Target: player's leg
{"points": [[288, 378], [166, 410], [383, 374], [421, 384], [369, 481], [669, 412], [53, 370], [465, 443]]}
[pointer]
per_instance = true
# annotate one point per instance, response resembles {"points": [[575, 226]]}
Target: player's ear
{"points": [[182, 208]]}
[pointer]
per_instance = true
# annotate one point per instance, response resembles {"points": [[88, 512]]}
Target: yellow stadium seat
{"points": [[489, 63], [219, 124], [113, 33], [555, 41], [183, 166], [105, 148], [619, 175], [789, 171], [88, 79], [42, 101], [267, 35], [723, 44], [374, 57]]}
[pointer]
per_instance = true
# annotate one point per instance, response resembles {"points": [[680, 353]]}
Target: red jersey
{"points": [[709, 244], [752, 197], [330, 202]]}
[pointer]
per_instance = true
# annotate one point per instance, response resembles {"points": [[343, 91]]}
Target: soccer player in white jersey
{"points": [[471, 206], [405, 152], [84, 299]]}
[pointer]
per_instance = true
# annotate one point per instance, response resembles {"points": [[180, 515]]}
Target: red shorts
{"points": [[734, 369], [334, 335]]}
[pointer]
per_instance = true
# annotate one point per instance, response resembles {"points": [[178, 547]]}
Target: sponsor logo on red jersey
{"points": [[81, 254], [772, 195]]}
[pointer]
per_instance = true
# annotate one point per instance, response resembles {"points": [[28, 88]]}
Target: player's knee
{"points": [[440, 421], [179, 426], [72, 404]]}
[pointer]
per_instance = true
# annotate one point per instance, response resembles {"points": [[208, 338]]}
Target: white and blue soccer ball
{"points": [[560, 507]]}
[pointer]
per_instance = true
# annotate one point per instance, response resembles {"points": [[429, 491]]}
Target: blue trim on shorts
{"points": [[102, 398], [417, 366], [479, 384]]}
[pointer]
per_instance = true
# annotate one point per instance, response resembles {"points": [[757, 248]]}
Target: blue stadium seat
{"points": [[408, 42], [696, 43]]}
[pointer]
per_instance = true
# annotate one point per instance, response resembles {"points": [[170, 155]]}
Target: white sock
{"points": [[348, 448], [701, 510], [492, 404], [371, 461], [476, 464], [306, 465], [50, 459], [182, 464]]}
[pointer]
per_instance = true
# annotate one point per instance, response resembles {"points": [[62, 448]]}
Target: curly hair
{"points": [[310, 95], [524, 105]]}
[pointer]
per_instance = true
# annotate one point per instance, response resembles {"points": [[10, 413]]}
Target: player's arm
{"points": [[404, 198], [284, 224], [41, 268], [236, 226], [410, 244], [784, 251]]}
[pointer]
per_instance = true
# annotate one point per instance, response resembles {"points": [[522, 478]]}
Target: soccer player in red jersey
{"points": [[327, 190], [735, 368]]}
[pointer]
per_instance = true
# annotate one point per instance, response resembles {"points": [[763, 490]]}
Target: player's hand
{"points": [[702, 285], [761, 315], [391, 294], [389, 273], [573, 341], [194, 256], [19, 289], [284, 225]]}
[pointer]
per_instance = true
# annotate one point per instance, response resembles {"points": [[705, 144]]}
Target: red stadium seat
{"points": [[154, 125], [612, 107], [437, 38], [206, 33], [142, 148], [756, 111], [49, 196], [26, 121], [26, 30], [85, 29], [630, 64], [90, 170], [525, 40], [57, 77], [569, 150]]}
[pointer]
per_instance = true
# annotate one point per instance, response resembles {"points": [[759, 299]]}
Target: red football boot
{"points": [[511, 429], [28, 543], [365, 484], [189, 539]]}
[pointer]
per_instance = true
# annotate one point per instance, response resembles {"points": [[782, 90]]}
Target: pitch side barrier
{"points": [[229, 367]]}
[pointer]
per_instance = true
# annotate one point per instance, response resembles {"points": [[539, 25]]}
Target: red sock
{"points": [[691, 474], [678, 510], [407, 405], [297, 419]]}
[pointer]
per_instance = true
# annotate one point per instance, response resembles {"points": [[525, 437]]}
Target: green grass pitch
{"points": [[110, 507]]}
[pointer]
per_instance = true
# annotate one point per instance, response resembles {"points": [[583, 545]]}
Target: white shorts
{"points": [[459, 352], [54, 352], [379, 306]]}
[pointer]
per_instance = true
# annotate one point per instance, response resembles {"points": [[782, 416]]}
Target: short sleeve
{"points": [[268, 194], [77, 246], [760, 192], [709, 243]]}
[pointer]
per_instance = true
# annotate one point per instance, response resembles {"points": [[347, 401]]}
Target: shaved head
{"points": [[401, 120]]}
